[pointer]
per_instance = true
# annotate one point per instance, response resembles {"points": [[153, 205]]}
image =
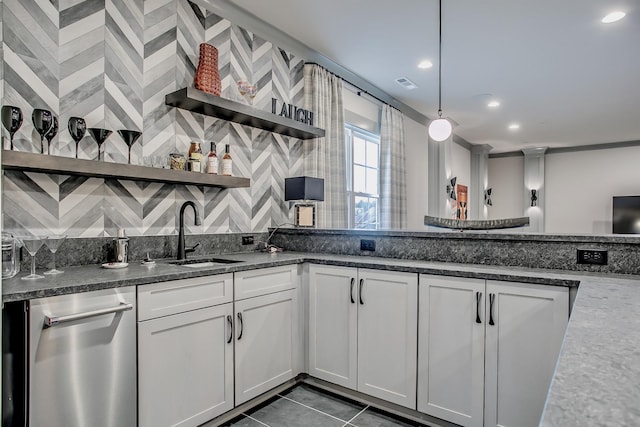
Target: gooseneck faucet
{"points": [[182, 252]]}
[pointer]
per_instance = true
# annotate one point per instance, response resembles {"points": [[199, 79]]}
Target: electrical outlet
{"points": [[247, 240], [593, 256], [367, 245]]}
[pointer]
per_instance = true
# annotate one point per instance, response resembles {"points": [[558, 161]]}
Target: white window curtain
{"points": [[393, 186], [326, 157]]}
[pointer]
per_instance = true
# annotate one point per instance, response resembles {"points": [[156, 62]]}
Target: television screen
{"points": [[626, 215]]}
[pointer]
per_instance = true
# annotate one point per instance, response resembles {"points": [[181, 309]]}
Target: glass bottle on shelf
{"points": [[195, 153], [212, 160], [226, 162]]}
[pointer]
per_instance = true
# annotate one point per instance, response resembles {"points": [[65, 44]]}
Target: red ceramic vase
{"points": [[207, 78]]}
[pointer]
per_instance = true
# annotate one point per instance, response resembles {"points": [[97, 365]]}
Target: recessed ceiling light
{"points": [[613, 17], [514, 126], [493, 104], [423, 65]]}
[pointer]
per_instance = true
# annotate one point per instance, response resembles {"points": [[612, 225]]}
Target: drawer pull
{"points": [[230, 321], [241, 326]]}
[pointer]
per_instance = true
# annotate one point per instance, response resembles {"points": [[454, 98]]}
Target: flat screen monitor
{"points": [[626, 215]]}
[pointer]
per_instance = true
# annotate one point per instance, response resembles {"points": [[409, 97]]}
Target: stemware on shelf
{"points": [[243, 86], [130, 137], [77, 128], [12, 120], [42, 122], [100, 135], [32, 244], [252, 91], [53, 244], [51, 134]]}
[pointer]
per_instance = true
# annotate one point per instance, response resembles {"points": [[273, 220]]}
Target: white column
{"points": [[534, 180], [479, 181], [439, 173]]}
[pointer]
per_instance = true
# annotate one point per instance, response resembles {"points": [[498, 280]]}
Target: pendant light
{"points": [[440, 129]]}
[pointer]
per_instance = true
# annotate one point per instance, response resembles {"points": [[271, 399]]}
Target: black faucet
{"points": [[182, 252]]}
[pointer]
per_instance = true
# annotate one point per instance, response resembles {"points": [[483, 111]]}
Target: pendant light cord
{"points": [[440, 59]]}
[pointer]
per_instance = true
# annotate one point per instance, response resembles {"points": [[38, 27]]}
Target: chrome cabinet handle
{"points": [[241, 326], [360, 292], [230, 321], [478, 298], [353, 281], [50, 321], [492, 297]]}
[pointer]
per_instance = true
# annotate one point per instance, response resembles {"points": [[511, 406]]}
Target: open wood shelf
{"points": [[200, 102], [34, 162]]}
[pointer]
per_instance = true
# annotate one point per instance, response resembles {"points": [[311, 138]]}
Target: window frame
{"points": [[351, 131]]}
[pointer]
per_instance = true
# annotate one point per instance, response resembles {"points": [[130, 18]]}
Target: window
{"points": [[363, 177]]}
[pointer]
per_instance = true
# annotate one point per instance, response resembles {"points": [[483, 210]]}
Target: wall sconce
{"points": [[305, 189], [451, 188], [487, 197], [534, 197]]}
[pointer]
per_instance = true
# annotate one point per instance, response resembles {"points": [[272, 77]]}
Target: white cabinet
{"points": [[451, 349], [363, 330], [487, 350], [185, 351], [522, 348], [266, 330]]}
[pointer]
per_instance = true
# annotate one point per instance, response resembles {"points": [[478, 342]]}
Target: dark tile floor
{"points": [[305, 406]]}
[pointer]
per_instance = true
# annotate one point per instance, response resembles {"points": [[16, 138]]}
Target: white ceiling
{"points": [[568, 79]]}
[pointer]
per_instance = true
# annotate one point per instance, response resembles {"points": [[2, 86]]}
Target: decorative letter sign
{"points": [[292, 112]]}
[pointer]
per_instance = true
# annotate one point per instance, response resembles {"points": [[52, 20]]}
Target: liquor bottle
{"points": [[226, 162], [212, 160]]}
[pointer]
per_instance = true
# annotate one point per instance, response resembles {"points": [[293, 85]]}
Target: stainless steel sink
{"points": [[203, 262]]}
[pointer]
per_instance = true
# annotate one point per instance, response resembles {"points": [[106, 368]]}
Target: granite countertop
{"points": [[598, 372]]}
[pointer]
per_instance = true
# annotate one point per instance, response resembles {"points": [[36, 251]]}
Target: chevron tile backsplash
{"points": [[112, 62]]}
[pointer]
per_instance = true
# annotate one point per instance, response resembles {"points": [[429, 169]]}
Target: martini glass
{"points": [[77, 128], [53, 243], [32, 244], [252, 91], [12, 120], [100, 135], [51, 134], [42, 122], [130, 137]]}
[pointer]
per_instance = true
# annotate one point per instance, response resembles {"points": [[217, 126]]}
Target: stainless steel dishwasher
{"points": [[82, 360]]}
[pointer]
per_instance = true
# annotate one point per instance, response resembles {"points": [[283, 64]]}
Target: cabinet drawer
{"points": [[177, 296], [264, 281]]}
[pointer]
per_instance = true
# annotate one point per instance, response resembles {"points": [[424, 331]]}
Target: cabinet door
{"points": [[266, 337], [522, 347], [451, 349], [387, 335], [333, 324], [185, 367]]}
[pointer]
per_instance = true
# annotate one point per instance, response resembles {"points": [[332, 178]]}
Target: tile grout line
{"points": [[356, 416], [314, 409], [258, 421]]}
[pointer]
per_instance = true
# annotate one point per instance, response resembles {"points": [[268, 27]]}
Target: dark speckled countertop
{"points": [[94, 277], [598, 371]]}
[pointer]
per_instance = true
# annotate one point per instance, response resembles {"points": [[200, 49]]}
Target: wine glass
{"points": [[130, 137], [77, 128], [51, 134], [252, 91], [12, 120], [242, 87], [32, 244], [42, 122], [53, 243], [100, 135]]}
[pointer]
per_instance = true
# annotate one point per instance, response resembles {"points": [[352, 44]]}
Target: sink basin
{"points": [[203, 262]]}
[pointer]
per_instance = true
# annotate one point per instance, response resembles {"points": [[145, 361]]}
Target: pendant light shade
{"points": [[440, 129]]}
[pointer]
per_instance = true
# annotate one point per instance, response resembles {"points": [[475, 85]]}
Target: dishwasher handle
{"points": [[50, 321]]}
